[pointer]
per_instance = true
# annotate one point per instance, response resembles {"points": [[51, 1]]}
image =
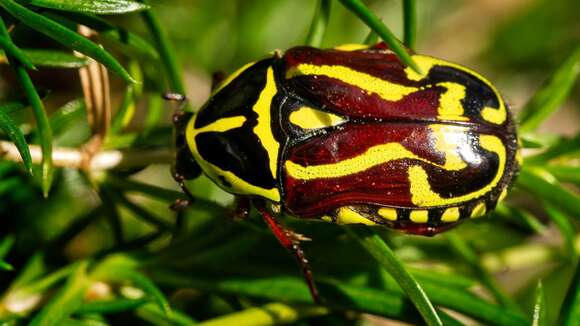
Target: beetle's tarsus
{"points": [[174, 97], [241, 209], [291, 241]]}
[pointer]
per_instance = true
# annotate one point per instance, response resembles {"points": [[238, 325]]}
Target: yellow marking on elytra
{"points": [[348, 216], [478, 210], [387, 90], [450, 107], [264, 127], [388, 213], [326, 218], [425, 63], [238, 185], [222, 125], [502, 195], [231, 77], [422, 194], [450, 215], [351, 47], [419, 216], [450, 140], [376, 155], [310, 118]]}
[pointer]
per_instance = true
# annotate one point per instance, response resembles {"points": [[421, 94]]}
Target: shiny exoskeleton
{"points": [[352, 135]]}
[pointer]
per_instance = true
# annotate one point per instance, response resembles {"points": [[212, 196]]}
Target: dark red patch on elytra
{"points": [[384, 184], [349, 100]]}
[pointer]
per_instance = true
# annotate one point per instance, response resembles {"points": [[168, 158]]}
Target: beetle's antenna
{"points": [[291, 241]]}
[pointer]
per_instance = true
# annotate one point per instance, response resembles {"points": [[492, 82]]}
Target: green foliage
{"points": [[104, 248]]}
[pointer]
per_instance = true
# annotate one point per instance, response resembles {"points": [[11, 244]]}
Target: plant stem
{"points": [[79, 159]]}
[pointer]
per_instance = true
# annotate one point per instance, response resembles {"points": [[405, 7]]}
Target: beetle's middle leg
{"points": [[291, 241]]}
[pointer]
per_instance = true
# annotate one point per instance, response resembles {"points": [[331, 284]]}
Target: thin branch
{"points": [[81, 159]]}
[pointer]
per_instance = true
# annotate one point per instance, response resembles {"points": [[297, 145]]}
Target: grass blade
{"points": [[65, 36], [369, 18], [15, 134], [319, 24], [99, 7], [547, 100], [563, 147], [371, 39], [570, 311], [541, 184], [39, 112], [472, 260], [268, 314], [410, 23], [566, 228], [110, 306], [15, 52], [66, 301], [565, 173], [55, 58], [5, 246], [379, 250], [166, 52], [539, 317]]}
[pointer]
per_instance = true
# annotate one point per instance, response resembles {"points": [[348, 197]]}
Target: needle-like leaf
{"points": [[99, 7], [379, 250], [319, 23], [369, 18], [410, 22], [65, 36]]}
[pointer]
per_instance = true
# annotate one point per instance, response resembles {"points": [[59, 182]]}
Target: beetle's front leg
{"points": [[185, 167], [291, 241]]}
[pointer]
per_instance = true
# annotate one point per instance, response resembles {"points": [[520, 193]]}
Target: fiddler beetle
{"points": [[351, 135]]}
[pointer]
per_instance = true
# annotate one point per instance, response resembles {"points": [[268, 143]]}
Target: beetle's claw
{"points": [[291, 241]]}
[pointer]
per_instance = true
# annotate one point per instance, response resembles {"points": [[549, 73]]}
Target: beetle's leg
{"points": [[185, 166], [241, 209], [291, 241]]}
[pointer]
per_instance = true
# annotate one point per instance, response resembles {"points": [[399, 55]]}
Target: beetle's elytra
{"points": [[352, 135]]}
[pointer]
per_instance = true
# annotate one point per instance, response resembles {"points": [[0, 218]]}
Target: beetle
{"points": [[351, 135]]}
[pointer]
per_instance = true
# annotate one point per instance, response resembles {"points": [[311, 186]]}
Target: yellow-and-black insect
{"points": [[352, 135]]}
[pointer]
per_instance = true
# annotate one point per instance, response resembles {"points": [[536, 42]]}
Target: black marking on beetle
{"points": [[239, 151], [238, 97], [477, 93]]}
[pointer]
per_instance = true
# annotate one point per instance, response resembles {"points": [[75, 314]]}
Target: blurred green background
{"points": [[517, 44]]}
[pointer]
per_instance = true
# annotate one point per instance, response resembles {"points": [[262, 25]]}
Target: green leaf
{"points": [[539, 317], [565, 173], [65, 36], [319, 24], [67, 114], [548, 99], [379, 250], [564, 146], [345, 296], [166, 52], [156, 316], [99, 7], [521, 217], [12, 50], [565, 226], [543, 185], [372, 21], [6, 245], [110, 306], [410, 23], [470, 257], [4, 266], [15, 134], [372, 38], [267, 315], [55, 58], [67, 300], [570, 311], [43, 126], [122, 268]]}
